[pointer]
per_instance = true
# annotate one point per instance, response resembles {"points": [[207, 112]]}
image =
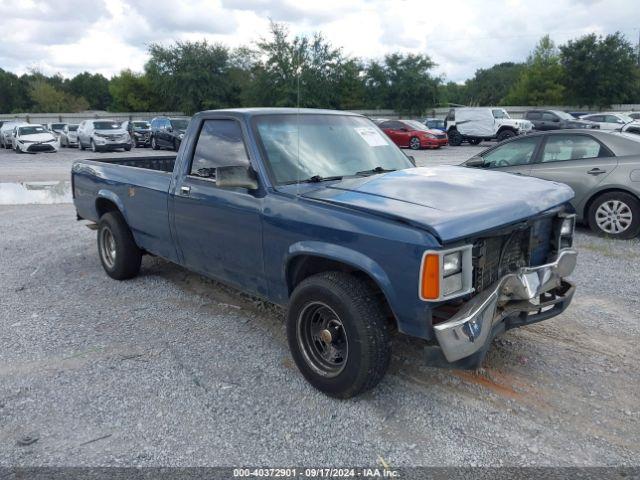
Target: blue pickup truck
{"points": [[319, 212]]}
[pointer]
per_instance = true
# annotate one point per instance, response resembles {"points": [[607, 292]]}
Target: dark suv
{"points": [[555, 120], [168, 132]]}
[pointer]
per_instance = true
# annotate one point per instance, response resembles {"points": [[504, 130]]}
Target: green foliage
{"points": [[48, 99], [491, 85], [93, 87], [600, 71], [14, 93], [540, 83], [130, 92]]}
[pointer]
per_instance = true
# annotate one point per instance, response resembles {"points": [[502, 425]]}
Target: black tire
{"points": [[17, 149], [121, 259], [94, 148], [475, 141], [414, 143], [127, 149], [625, 214], [361, 326], [154, 144], [455, 138], [80, 144], [505, 135]]}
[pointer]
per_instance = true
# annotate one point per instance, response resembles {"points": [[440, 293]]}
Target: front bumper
{"points": [[433, 142], [112, 145], [530, 295], [38, 147]]}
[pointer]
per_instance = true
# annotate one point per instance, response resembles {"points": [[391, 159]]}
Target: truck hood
{"points": [[450, 202]]}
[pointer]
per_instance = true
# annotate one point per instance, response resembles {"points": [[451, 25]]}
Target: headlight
{"points": [[567, 226], [446, 273], [566, 230], [452, 263]]}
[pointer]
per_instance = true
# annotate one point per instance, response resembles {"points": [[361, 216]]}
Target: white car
{"points": [[30, 138], [69, 136], [476, 124], [101, 135], [608, 120], [6, 131]]}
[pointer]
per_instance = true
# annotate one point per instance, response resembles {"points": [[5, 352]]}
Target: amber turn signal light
{"points": [[430, 279]]}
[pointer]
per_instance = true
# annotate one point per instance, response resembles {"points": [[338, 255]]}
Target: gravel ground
{"points": [[171, 369]]}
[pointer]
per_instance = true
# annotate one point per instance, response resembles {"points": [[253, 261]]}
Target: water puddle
{"points": [[35, 193]]}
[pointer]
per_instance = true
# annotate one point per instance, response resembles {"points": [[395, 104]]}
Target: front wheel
{"points": [[615, 214], [94, 148], [154, 144], [455, 138], [505, 134], [414, 143], [338, 334], [119, 254], [475, 141]]}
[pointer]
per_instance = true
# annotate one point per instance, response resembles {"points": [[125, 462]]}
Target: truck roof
{"points": [[249, 112]]}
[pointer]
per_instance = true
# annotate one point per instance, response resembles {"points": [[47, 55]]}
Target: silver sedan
{"points": [[603, 169]]}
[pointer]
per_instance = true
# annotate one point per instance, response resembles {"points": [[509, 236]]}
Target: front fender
{"points": [[347, 256]]}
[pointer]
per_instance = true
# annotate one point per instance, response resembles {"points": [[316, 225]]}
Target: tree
{"points": [[600, 71], [491, 85], [14, 93], [540, 83], [93, 87], [189, 76], [48, 99], [403, 83], [130, 92]]}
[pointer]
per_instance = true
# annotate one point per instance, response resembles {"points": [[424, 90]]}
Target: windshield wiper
{"points": [[375, 170], [315, 179]]}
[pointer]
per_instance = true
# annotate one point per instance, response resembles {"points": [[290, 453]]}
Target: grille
{"points": [[495, 257], [441, 136]]}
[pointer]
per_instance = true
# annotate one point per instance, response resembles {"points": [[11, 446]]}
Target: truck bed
{"points": [[163, 163]]}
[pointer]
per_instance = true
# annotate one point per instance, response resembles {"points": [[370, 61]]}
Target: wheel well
{"points": [[506, 127], [587, 206], [104, 205], [304, 266]]}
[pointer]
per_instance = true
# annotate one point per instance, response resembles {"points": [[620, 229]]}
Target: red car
{"points": [[413, 134]]}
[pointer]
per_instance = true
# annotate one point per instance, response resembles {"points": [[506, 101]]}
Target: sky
{"points": [[107, 36]]}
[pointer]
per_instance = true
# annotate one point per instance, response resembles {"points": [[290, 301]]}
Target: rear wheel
{"points": [[505, 134], [615, 214], [455, 138], [338, 334], [119, 254]]}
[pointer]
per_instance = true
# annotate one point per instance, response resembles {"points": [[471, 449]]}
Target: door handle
{"points": [[185, 191], [596, 171]]}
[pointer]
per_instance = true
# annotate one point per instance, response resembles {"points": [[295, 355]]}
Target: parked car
{"points": [[608, 121], [69, 136], [634, 115], [168, 132], [435, 124], [632, 128], [32, 138], [102, 135], [6, 132], [139, 131], [55, 128], [555, 120], [602, 168], [476, 124], [413, 134], [578, 115], [320, 212]]}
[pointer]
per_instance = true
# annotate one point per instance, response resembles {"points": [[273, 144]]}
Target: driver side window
{"points": [[517, 152]]}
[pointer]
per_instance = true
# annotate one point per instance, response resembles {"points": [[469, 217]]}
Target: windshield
{"points": [[73, 128], [57, 126], [31, 130], [328, 146], [106, 125], [435, 123], [179, 124], [563, 115], [500, 113], [625, 118], [416, 125], [141, 125]]}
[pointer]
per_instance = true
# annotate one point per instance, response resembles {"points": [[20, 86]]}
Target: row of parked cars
{"points": [[94, 134]]}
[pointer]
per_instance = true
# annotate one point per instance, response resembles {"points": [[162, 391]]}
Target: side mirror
{"points": [[412, 159], [474, 162], [236, 177]]}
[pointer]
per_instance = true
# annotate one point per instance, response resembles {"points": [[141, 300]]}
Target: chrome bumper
{"points": [[520, 293]]}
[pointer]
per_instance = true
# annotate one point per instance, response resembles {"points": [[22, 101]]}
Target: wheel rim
{"points": [[93, 145], [153, 143], [107, 247], [614, 216], [322, 339], [415, 143]]}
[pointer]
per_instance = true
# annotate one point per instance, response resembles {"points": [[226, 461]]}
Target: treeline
{"points": [[282, 70]]}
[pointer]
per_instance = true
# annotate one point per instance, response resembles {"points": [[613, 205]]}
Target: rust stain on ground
{"points": [[487, 383]]}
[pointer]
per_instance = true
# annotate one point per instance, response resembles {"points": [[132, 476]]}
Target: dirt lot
{"points": [[172, 369]]}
